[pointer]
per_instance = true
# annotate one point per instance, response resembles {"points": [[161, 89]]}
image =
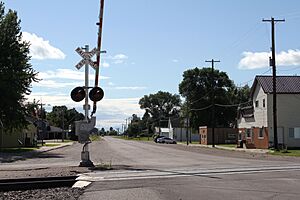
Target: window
{"points": [[261, 133], [294, 133], [248, 132], [264, 103], [256, 103]]}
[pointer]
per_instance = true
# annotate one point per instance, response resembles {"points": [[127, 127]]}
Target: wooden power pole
{"points": [[273, 64], [213, 99]]}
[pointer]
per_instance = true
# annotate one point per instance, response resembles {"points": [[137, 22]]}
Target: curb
{"points": [[260, 151], [54, 148]]}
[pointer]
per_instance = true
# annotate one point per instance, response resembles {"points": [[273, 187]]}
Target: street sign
{"points": [[86, 58]]}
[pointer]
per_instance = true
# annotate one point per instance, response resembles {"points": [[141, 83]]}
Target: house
{"points": [[255, 119], [182, 133], [167, 132], [221, 135], [19, 137]]}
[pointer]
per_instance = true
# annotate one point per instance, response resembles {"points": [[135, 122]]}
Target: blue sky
{"points": [[150, 44]]}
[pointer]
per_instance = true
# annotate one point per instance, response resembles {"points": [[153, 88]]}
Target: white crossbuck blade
{"points": [[86, 58]]}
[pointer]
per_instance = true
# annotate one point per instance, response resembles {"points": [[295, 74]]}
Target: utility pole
{"points": [[213, 99], [187, 123], [273, 64], [42, 124]]}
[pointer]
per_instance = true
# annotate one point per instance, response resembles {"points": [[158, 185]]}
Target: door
{"points": [[280, 135]]}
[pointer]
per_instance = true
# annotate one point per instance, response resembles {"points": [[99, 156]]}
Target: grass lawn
{"points": [[95, 137], [18, 150], [227, 145], [51, 145], [290, 152], [137, 138]]}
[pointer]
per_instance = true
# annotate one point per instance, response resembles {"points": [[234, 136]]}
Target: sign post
{"points": [[83, 132]]}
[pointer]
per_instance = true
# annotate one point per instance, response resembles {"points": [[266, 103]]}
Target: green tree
{"points": [[112, 131], [102, 131], [134, 127], [159, 106], [197, 89], [16, 73], [61, 116]]}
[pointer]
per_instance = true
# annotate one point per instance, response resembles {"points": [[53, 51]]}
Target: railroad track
{"points": [[36, 183]]}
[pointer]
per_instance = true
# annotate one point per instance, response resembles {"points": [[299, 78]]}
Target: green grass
{"points": [[227, 145], [289, 152], [18, 150], [95, 137], [136, 138], [51, 145]]}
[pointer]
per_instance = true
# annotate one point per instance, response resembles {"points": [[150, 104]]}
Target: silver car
{"points": [[166, 140]]}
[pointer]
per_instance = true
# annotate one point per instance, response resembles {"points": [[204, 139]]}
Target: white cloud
{"points": [[129, 88], [118, 58], [105, 64], [256, 60], [175, 60], [41, 49], [59, 78], [110, 112], [66, 74], [54, 84], [111, 84]]}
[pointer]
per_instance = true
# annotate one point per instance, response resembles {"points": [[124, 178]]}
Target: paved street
{"points": [[145, 170], [158, 171]]}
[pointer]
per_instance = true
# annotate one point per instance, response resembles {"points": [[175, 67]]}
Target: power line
{"points": [[200, 109], [232, 105], [246, 82], [201, 98]]}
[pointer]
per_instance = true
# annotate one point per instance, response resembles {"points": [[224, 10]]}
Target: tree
{"points": [[16, 73], [102, 131], [197, 89], [135, 126], [61, 116], [112, 131], [161, 105]]}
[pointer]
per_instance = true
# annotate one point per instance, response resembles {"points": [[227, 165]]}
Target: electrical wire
{"points": [[200, 109]]}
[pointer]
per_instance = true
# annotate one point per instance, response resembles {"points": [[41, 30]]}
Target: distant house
{"points": [[19, 137], [221, 135], [255, 119], [167, 132], [178, 131]]}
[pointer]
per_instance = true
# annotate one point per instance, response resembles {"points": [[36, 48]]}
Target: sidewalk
{"points": [[12, 157], [50, 148], [263, 151]]}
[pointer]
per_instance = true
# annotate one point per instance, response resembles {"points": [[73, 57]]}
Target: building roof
{"points": [[164, 130], [284, 84]]}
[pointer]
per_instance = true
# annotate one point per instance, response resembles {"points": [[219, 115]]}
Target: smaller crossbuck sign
{"points": [[86, 58]]}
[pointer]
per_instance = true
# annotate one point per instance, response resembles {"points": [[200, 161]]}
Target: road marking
{"points": [[81, 184], [154, 174]]}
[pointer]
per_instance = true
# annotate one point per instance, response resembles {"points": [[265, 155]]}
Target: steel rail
{"points": [[37, 183]]}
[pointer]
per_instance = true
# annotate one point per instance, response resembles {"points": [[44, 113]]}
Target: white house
{"points": [[255, 120]]}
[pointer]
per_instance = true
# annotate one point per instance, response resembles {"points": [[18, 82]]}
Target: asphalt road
{"points": [[159, 171], [145, 170]]}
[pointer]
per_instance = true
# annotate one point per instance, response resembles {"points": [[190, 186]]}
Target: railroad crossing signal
{"points": [[78, 94], [86, 58]]}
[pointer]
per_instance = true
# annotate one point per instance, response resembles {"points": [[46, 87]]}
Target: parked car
{"points": [[157, 137], [166, 140]]}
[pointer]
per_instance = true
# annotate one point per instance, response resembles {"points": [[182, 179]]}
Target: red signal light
{"points": [[78, 94], [96, 94]]}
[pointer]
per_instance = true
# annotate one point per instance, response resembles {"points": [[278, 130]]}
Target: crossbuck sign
{"points": [[86, 58]]}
